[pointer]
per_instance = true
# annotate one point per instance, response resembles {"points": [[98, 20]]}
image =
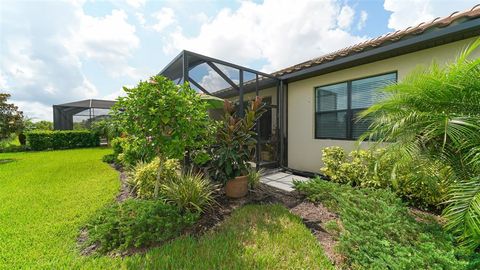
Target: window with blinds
{"points": [[337, 106]]}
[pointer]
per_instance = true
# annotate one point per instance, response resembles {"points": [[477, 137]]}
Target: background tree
{"points": [[172, 118], [10, 117], [43, 125], [435, 113], [106, 128]]}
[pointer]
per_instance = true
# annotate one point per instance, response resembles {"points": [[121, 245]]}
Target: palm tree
{"points": [[435, 113]]}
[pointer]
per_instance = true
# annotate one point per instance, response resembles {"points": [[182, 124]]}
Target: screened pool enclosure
{"points": [[80, 114], [239, 84], [214, 77]]}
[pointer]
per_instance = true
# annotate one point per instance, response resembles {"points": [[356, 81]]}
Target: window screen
{"points": [[337, 106], [331, 111]]}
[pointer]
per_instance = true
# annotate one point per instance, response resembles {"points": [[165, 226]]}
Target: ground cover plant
{"points": [[420, 182], [434, 113], [47, 197], [378, 232], [136, 223]]}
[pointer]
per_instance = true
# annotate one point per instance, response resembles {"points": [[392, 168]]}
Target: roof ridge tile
{"points": [[438, 22]]}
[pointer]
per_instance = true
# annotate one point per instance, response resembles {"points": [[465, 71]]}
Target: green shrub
{"points": [[110, 159], [137, 223], [191, 191], [116, 145], [378, 231], [418, 181], [129, 151], [144, 175], [61, 139]]}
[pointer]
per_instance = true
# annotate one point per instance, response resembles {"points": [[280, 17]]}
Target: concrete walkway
{"points": [[281, 180]]}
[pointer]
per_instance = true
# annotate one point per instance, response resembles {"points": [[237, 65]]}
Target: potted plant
{"points": [[236, 139]]}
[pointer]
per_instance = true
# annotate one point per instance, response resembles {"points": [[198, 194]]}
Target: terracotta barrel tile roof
{"points": [[384, 39]]}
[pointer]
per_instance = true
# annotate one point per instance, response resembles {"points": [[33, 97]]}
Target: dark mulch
{"points": [[315, 216], [125, 190]]}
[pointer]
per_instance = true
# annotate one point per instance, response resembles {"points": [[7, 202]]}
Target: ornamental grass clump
{"points": [[189, 192]]}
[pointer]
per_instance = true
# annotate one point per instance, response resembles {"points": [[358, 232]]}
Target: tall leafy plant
{"points": [[435, 113], [235, 140], [172, 118]]}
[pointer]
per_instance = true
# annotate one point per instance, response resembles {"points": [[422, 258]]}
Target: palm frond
{"points": [[434, 112]]}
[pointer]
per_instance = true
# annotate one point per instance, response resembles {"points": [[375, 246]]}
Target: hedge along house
{"points": [[314, 104]]}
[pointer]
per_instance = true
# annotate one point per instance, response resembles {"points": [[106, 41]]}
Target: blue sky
{"points": [[60, 51]]}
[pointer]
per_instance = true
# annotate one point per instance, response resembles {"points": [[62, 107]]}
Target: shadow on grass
{"points": [[6, 160], [254, 237]]}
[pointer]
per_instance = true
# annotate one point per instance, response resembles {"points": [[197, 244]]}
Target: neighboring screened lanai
{"points": [[80, 114], [227, 80]]}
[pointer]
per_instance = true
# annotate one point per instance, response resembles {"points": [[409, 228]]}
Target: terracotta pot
{"points": [[237, 187]]}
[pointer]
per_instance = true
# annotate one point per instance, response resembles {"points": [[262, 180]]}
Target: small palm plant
{"points": [[435, 112]]}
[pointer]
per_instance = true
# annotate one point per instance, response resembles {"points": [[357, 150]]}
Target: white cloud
{"points": [[140, 18], [43, 59], [201, 17], [3, 82], [135, 3], [165, 17], [35, 110], [345, 18], [363, 20], [214, 82], [407, 13], [255, 32], [110, 40]]}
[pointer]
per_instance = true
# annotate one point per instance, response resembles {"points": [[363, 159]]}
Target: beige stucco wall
{"points": [[304, 152]]}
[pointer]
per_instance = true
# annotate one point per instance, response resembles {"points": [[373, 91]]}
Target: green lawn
{"points": [[47, 196]]}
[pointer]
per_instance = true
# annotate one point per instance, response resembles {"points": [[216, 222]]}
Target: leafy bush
{"points": [[418, 181], [144, 176], [129, 152], [110, 159], [434, 113], [378, 231], [171, 118], [136, 223], [61, 139], [106, 128], [191, 191]]}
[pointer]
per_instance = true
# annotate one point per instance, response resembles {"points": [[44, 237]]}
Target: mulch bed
{"points": [[314, 216]]}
